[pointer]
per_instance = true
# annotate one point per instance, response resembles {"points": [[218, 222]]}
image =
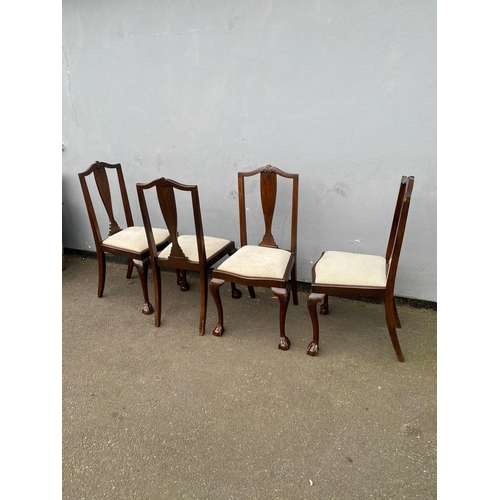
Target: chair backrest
{"points": [[165, 191], [268, 191], [100, 169], [398, 228]]}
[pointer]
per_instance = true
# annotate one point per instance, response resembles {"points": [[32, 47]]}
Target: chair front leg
{"points": [[182, 280], [101, 270], [215, 285], [391, 326], [283, 295], [235, 293], [142, 269], [312, 302]]}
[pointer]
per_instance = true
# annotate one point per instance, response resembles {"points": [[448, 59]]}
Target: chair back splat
{"points": [[352, 274], [168, 207], [268, 194], [129, 242], [264, 264]]}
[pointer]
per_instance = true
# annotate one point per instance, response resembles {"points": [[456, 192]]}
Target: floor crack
{"points": [[69, 86]]}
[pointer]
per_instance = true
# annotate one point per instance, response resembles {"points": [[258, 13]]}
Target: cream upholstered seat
{"points": [[189, 245], [186, 251], [130, 242], [344, 268], [345, 273], [258, 262], [134, 238], [264, 264]]}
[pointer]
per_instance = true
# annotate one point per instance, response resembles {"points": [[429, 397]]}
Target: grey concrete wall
{"points": [[342, 92]]}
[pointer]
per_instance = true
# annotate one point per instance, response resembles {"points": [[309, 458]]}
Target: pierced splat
{"points": [[268, 189], [166, 199], [101, 180]]}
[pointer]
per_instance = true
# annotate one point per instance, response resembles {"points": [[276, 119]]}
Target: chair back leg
{"points": [[391, 326], [324, 308], [157, 286], [130, 268], [295, 295], [101, 272], [203, 301], [396, 316]]}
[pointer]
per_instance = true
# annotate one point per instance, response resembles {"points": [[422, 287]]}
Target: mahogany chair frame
{"points": [[280, 287], [165, 191], [320, 292], [138, 259]]}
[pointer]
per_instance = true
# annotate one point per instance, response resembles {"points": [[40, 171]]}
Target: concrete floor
{"points": [[162, 413]]}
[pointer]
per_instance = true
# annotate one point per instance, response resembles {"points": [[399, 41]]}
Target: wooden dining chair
{"points": [[194, 252], [353, 274], [129, 242], [262, 265]]}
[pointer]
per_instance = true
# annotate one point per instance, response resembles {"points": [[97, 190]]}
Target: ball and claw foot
{"points": [[147, 308], [312, 349], [284, 343], [218, 330], [182, 281]]}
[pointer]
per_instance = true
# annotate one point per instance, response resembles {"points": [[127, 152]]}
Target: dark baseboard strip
{"points": [[302, 286]]}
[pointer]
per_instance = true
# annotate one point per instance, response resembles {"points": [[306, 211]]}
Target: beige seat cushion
{"points": [[344, 268], [134, 238], [258, 262], [189, 246]]}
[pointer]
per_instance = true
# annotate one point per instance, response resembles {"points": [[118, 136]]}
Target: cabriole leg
{"points": [[215, 285], [182, 280], [142, 269], [283, 295], [312, 302], [235, 293]]}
